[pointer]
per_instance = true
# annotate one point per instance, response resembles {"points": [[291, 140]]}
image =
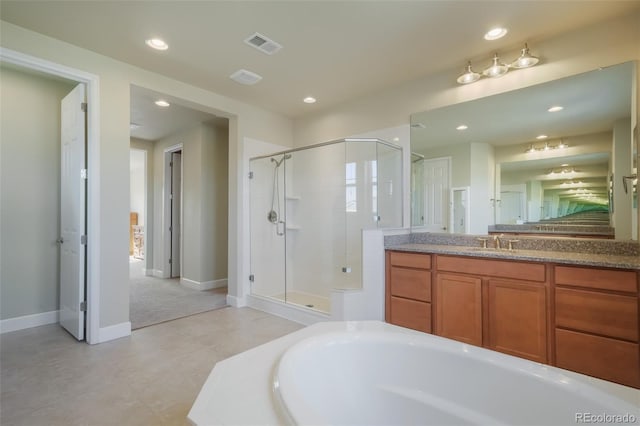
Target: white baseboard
{"points": [[288, 311], [203, 285], [113, 332], [28, 321]]}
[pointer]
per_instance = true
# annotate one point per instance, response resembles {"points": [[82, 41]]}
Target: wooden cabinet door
{"points": [[517, 322], [458, 307]]}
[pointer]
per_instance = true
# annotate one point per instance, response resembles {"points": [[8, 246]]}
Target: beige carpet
{"points": [[154, 300]]}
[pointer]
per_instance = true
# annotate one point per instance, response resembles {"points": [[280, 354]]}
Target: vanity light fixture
{"points": [[469, 75], [497, 68], [540, 137], [546, 146], [525, 60], [156, 43], [162, 103]]}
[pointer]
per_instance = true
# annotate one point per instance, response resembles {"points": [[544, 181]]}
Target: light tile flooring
{"points": [[149, 378]]}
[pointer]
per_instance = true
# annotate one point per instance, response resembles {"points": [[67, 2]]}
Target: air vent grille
{"points": [[263, 43], [245, 77]]}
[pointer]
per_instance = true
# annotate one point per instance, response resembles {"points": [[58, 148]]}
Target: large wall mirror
{"points": [[513, 159]]}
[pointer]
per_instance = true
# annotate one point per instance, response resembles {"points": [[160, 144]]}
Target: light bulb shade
{"points": [[469, 75], [497, 69], [525, 60]]}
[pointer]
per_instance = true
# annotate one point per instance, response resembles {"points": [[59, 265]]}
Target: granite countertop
{"points": [[563, 257]]}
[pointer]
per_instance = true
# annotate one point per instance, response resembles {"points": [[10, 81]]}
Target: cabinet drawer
{"points": [[606, 314], [411, 314], [493, 268], [411, 283], [410, 260], [605, 279], [602, 357]]}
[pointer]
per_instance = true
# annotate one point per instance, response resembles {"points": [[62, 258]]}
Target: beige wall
{"points": [[115, 80], [29, 194], [204, 203]]}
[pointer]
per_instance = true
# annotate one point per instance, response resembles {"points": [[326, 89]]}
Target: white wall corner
{"points": [[113, 332], [373, 274], [236, 302], [203, 285], [27, 321]]}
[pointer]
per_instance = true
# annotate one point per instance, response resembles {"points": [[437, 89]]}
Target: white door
{"points": [[176, 186], [436, 178], [72, 212]]}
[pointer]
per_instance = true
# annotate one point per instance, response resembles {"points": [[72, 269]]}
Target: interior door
{"points": [[73, 212], [176, 194], [436, 175]]}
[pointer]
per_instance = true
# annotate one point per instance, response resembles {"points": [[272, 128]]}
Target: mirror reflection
{"points": [[532, 159]]}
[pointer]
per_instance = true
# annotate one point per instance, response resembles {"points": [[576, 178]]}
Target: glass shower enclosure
{"points": [[308, 207]]}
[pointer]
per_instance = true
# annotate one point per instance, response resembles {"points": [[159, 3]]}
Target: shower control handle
{"points": [[278, 231]]}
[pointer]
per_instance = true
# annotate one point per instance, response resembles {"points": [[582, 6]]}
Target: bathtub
{"points": [[373, 373], [386, 378]]}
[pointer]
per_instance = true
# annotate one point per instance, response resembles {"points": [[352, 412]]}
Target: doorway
{"points": [[173, 203], [186, 224], [75, 307]]}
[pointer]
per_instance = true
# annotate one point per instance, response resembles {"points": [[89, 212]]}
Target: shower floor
{"points": [[306, 300]]}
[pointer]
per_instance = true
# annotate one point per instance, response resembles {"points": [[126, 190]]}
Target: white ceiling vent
{"points": [[263, 43], [245, 77]]}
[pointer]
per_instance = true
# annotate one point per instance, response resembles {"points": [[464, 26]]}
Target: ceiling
{"points": [[151, 122], [333, 50]]}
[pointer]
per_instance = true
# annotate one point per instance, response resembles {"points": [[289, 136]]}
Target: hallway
{"points": [[155, 300]]}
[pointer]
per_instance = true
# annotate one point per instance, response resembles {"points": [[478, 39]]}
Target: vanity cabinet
{"points": [[408, 294], [583, 319], [498, 304], [596, 323]]}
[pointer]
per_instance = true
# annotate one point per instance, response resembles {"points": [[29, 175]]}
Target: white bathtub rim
{"points": [[294, 409]]}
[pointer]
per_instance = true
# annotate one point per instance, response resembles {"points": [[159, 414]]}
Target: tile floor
{"points": [[149, 378]]}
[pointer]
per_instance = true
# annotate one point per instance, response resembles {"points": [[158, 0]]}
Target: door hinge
{"points": [[170, 163], [83, 106], [83, 240], [83, 173], [250, 175], [83, 306], [170, 228], [251, 278], [170, 261]]}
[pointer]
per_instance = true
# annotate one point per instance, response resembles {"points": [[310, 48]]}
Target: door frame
{"points": [[166, 209], [92, 83]]}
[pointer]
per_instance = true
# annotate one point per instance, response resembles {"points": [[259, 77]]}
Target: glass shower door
{"points": [[315, 224], [266, 228]]}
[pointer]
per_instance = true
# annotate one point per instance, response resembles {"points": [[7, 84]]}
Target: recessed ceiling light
{"points": [[495, 33], [542, 137], [309, 100], [462, 127], [162, 103], [157, 44], [555, 108]]}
